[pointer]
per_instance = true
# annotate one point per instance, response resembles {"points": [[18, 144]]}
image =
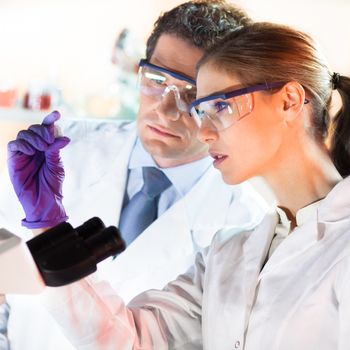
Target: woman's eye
{"points": [[220, 106]]}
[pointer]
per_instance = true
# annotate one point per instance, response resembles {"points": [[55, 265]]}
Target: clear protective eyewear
{"points": [[225, 109], [157, 82]]}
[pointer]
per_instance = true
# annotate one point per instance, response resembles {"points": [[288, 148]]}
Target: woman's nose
{"points": [[207, 132]]}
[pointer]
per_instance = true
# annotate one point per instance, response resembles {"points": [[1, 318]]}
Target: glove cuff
{"points": [[43, 224]]}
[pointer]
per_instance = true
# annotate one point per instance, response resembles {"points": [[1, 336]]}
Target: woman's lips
{"points": [[161, 132], [218, 158]]}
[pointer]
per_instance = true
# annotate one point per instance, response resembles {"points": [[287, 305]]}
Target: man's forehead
{"points": [[176, 54]]}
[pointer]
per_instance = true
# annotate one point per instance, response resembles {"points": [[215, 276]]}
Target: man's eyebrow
{"points": [[157, 62]]}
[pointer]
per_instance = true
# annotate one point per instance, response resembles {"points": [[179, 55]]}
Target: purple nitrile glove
{"points": [[37, 173]]}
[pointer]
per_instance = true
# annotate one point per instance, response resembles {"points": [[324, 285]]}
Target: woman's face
{"points": [[252, 145]]}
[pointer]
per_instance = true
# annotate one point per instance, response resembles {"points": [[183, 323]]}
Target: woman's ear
{"points": [[293, 98]]}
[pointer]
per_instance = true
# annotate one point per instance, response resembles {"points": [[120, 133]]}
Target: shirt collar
{"points": [[183, 177]]}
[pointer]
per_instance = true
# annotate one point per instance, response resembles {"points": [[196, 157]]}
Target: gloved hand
{"points": [[37, 173]]}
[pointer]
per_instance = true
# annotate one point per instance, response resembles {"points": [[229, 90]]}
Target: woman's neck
{"points": [[302, 177]]}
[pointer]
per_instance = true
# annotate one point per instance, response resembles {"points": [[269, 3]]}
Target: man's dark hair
{"points": [[201, 23]]}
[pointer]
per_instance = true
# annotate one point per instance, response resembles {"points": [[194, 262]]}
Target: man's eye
{"points": [[220, 106], [189, 96], [155, 78], [157, 81]]}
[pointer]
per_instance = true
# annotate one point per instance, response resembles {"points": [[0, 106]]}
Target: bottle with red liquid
{"points": [[8, 95], [38, 97]]}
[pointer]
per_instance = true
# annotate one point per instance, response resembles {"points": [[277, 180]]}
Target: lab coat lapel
{"points": [[233, 272], [102, 182], [292, 246], [184, 228], [111, 186], [255, 251], [166, 238], [157, 256], [199, 212]]}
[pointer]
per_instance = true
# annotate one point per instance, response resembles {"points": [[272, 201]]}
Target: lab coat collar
{"points": [[336, 205], [304, 214], [331, 217], [283, 228]]}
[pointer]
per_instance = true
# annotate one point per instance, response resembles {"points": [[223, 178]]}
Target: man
{"points": [[104, 169]]}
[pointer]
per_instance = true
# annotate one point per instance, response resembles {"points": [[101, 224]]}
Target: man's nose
{"points": [[167, 107]]}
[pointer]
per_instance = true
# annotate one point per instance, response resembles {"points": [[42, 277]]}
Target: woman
{"points": [[265, 112], [263, 109]]}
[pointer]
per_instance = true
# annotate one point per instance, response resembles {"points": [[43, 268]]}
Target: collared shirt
{"points": [[283, 228], [182, 177]]}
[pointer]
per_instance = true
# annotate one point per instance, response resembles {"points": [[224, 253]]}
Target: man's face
{"points": [[167, 133]]}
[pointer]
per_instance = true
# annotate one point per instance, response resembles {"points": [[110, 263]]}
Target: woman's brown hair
{"points": [[267, 52]]}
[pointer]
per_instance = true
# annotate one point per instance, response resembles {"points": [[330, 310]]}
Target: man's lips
{"points": [[163, 132], [218, 157]]}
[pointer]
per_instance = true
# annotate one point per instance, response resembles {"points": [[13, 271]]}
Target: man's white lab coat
{"points": [[300, 299], [96, 165]]}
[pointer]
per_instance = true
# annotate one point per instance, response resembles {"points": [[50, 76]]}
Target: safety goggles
{"points": [[157, 82], [225, 109]]}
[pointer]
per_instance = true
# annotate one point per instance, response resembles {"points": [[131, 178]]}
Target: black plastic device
{"points": [[64, 255]]}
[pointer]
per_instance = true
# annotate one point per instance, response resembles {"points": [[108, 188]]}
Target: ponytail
{"points": [[340, 141]]}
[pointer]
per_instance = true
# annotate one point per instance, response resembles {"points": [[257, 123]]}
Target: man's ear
{"points": [[293, 98]]}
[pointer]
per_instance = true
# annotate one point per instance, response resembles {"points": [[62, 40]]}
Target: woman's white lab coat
{"points": [[299, 300]]}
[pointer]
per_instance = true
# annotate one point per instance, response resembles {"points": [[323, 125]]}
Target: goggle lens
{"points": [[158, 84], [223, 113]]}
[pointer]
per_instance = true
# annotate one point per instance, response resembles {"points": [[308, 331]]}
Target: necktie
{"points": [[142, 209]]}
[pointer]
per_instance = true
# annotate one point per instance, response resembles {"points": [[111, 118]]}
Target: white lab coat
{"points": [[300, 299], [96, 172]]}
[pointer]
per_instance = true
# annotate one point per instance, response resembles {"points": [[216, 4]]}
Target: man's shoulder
{"points": [[96, 142]]}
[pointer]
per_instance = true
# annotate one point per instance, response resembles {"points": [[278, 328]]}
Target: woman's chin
{"points": [[233, 179]]}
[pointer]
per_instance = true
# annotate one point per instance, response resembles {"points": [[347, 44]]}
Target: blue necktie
{"points": [[142, 209]]}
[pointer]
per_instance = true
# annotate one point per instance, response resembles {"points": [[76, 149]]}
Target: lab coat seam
{"points": [[345, 280]]}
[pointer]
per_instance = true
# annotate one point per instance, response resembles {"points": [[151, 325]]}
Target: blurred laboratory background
{"points": [[80, 56]]}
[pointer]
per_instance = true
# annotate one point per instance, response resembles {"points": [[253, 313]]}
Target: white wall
{"points": [[325, 20], [67, 39], [71, 40]]}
